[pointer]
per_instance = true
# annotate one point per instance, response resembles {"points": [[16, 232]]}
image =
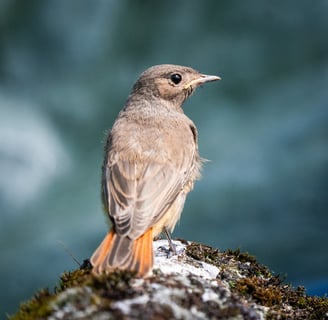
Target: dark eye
{"points": [[176, 78]]}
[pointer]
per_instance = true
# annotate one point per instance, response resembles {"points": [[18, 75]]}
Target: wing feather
{"points": [[139, 197], [140, 183]]}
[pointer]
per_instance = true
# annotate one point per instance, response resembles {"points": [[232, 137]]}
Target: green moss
{"points": [[303, 306], [260, 285], [202, 252], [115, 284], [36, 308], [254, 268], [244, 275], [245, 263], [72, 279], [265, 292], [39, 306], [284, 301]]}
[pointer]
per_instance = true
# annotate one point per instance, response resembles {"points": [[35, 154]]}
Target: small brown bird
{"points": [[151, 163]]}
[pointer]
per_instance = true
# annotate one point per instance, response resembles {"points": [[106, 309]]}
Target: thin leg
{"points": [[169, 239]]}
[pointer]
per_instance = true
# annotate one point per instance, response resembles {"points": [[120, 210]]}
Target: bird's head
{"points": [[170, 82]]}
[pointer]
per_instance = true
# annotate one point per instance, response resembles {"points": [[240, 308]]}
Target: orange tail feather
{"points": [[123, 253]]}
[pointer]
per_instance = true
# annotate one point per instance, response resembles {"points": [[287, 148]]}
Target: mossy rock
{"points": [[199, 283]]}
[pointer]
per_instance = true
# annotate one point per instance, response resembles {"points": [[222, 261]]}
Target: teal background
{"points": [[66, 68]]}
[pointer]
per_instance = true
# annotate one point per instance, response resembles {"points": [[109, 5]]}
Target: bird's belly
{"points": [[171, 216]]}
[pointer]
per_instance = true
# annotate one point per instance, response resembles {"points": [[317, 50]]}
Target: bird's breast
{"points": [[154, 138]]}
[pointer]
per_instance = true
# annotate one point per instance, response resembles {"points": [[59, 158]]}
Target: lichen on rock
{"points": [[199, 282]]}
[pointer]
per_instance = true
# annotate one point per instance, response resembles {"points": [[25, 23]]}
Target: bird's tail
{"points": [[117, 252]]}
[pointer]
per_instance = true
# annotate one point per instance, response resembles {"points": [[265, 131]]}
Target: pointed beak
{"points": [[202, 79]]}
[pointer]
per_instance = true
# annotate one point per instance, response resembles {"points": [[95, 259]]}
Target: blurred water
{"points": [[66, 69]]}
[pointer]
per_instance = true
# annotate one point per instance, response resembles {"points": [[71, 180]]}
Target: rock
{"points": [[199, 282]]}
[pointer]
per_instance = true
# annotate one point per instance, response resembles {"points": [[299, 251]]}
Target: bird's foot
{"points": [[172, 250]]}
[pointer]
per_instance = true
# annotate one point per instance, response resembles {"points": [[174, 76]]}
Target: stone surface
{"points": [[199, 282]]}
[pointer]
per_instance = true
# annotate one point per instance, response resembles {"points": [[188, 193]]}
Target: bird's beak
{"points": [[202, 79]]}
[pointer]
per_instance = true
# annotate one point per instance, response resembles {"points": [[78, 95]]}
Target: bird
{"points": [[151, 163]]}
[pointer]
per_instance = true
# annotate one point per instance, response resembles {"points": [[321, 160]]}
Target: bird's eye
{"points": [[176, 78]]}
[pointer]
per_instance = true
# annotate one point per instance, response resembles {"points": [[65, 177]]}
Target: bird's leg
{"points": [[172, 246]]}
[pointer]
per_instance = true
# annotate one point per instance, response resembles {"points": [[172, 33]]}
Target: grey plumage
{"points": [[151, 163]]}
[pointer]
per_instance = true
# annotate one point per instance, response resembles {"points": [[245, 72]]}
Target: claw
{"points": [[172, 246]]}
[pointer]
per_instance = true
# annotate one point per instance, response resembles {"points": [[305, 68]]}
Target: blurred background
{"points": [[66, 68]]}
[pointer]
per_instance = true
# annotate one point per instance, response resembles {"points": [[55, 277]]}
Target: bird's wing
{"points": [[139, 193]]}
